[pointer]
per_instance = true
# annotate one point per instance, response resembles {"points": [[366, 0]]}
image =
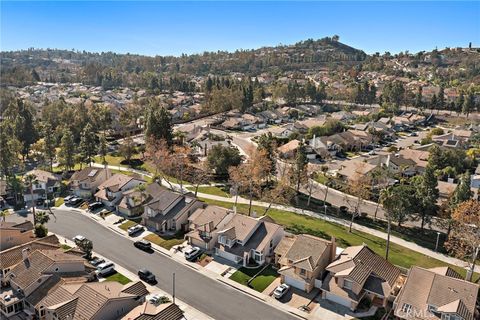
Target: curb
{"points": [[241, 289]]}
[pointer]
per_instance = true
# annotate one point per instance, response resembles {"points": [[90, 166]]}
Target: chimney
{"points": [[25, 254], [333, 249]]}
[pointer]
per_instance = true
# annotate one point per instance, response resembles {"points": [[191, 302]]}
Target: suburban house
{"points": [[437, 294], [302, 260], [204, 224], [47, 186], [30, 280], [132, 201], [168, 211], [110, 192], [246, 240], [107, 300], [289, 149], [13, 256], [358, 273], [85, 183], [149, 311], [396, 163], [420, 158], [454, 139], [354, 169], [13, 234]]}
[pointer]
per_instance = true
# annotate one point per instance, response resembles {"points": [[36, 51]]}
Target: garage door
{"points": [[339, 300], [295, 283]]}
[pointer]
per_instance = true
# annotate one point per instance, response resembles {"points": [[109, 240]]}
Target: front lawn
{"points": [[127, 224], [165, 242], [297, 224], [118, 277], [59, 202], [260, 283]]}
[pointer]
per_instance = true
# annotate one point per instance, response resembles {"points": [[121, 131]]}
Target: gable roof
{"points": [[289, 146], [44, 176], [118, 181], [12, 256], [148, 311], [362, 260], [426, 287], [88, 173], [306, 251], [210, 215]]}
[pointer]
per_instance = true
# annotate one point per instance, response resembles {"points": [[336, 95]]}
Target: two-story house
{"points": [[46, 186], [13, 234], [36, 273], [302, 260], [358, 273], [204, 224], [167, 211], [85, 183], [110, 192], [437, 294], [246, 240]]}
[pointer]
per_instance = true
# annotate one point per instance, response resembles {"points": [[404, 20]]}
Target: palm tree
{"points": [[31, 180], [387, 196], [42, 217], [4, 214]]}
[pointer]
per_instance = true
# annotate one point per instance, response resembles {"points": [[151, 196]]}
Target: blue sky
{"points": [[172, 28]]}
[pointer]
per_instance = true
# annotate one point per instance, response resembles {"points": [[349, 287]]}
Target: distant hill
{"points": [[75, 66]]}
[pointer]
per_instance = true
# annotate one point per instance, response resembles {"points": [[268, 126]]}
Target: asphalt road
{"points": [[208, 296]]}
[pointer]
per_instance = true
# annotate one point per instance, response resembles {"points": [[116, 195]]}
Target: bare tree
{"points": [[358, 190]]}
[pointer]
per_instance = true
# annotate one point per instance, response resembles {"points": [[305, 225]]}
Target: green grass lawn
{"points": [[164, 242], [297, 224], [59, 202], [118, 277], [65, 247], [127, 224], [114, 160], [321, 178], [260, 283], [217, 191]]}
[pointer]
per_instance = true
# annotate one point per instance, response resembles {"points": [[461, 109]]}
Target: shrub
{"points": [[437, 131], [40, 231]]}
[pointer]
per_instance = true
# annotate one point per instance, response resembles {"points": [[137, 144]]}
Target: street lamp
{"points": [[438, 238]]}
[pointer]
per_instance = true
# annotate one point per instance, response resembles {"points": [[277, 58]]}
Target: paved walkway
{"points": [[408, 244]]}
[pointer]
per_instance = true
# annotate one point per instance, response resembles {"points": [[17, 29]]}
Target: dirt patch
{"points": [[206, 260]]}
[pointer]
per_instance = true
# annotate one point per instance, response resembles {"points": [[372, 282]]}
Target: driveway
{"points": [[297, 298], [201, 292]]}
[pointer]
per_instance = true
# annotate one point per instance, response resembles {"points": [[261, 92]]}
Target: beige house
{"points": [[303, 259], [246, 240], [437, 294], [358, 273], [13, 234], [148, 311], [84, 183], [47, 186], [110, 191], [204, 224]]}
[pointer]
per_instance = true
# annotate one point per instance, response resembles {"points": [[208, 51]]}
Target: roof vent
{"points": [[7, 297]]}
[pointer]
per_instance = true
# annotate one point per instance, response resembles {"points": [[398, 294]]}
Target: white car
{"points": [[134, 229], [78, 238], [68, 198], [155, 299], [105, 268], [191, 253], [281, 290]]}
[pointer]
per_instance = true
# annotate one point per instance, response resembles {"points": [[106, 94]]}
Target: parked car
{"points": [[134, 229], [343, 209], [68, 198], [146, 276], [105, 268], [40, 202], [75, 201], [413, 134], [281, 290], [192, 253], [95, 205], [96, 261], [78, 238], [143, 245]]}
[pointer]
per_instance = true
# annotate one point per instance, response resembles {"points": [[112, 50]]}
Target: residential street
{"points": [[208, 296]]}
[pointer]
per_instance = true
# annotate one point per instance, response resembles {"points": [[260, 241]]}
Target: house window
{"points": [[432, 308], [406, 308], [347, 284], [302, 272], [42, 311]]}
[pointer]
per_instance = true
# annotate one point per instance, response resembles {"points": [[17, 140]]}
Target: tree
{"points": [[462, 192], [30, 180], [67, 150], [441, 98], [10, 148], [86, 246], [299, 169], [399, 202], [127, 149], [102, 148], [221, 158], [427, 194], [468, 104], [419, 98], [87, 143], [4, 213], [158, 124], [50, 144], [359, 188], [464, 240], [42, 217], [40, 230]]}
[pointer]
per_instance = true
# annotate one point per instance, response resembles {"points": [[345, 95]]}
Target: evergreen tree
{"points": [[418, 98], [434, 102], [102, 148], [459, 103], [67, 150], [50, 144], [427, 194], [158, 124], [87, 143], [441, 98], [469, 104], [462, 192]]}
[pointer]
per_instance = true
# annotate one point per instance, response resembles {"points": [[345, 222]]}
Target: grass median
{"points": [[297, 224]]}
